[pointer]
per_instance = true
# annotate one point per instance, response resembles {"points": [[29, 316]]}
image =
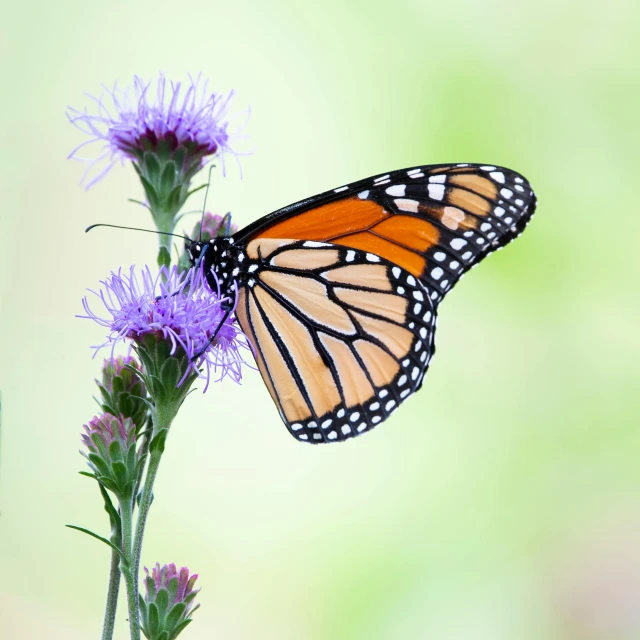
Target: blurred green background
{"points": [[503, 500]]}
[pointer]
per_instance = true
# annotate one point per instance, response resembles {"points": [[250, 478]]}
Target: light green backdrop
{"points": [[503, 501]]}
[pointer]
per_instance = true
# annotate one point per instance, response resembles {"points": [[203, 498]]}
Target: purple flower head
{"points": [[184, 122], [103, 430], [178, 308]]}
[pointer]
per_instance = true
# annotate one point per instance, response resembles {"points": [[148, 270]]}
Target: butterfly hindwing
{"points": [[341, 336]]}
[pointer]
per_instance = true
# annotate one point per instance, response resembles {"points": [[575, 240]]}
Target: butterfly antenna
{"points": [[115, 226], [204, 204]]}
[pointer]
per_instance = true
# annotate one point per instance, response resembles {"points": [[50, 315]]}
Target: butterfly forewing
{"points": [[436, 222], [341, 336]]}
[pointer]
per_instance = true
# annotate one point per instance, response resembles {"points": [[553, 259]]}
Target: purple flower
{"points": [[168, 604], [178, 308], [186, 123]]}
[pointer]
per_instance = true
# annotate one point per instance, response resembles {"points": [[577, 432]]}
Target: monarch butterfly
{"points": [[338, 293]]}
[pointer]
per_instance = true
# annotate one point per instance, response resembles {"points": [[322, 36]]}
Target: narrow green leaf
{"points": [[179, 629], [164, 257], [151, 166], [174, 615], [97, 537], [144, 204], [190, 193], [114, 516], [162, 602], [158, 442], [150, 192], [167, 179], [154, 622]]}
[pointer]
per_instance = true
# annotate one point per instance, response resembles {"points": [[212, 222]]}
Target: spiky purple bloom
{"points": [[187, 122], [177, 307], [167, 606]]}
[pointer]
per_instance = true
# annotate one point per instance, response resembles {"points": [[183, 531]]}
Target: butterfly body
{"points": [[338, 293]]}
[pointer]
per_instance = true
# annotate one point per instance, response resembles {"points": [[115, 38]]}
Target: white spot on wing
{"points": [[363, 195], [311, 244], [437, 179], [396, 190], [436, 191], [407, 205], [498, 176], [458, 243], [339, 189]]}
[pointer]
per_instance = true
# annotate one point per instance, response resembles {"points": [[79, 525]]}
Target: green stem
{"points": [[128, 569], [112, 597], [143, 512]]}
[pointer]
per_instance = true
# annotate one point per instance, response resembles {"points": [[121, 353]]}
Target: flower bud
{"points": [[111, 452], [214, 225], [123, 390], [167, 606]]}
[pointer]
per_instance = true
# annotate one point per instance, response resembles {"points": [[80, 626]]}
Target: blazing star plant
{"points": [[167, 132], [173, 328]]}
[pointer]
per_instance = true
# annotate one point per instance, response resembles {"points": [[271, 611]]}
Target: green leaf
{"points": [[89, 475], [179, 156], [97, 537], [100, 464], [170, 373], [190, 193], [115, 451], [154, 621], [167, 179], [114, 516], [174, 198], [179, 629], [174, 615], [164, 257], [151, 166], [144, 204], [120, 474], [151, 193], [158, 442], [162, 602]]}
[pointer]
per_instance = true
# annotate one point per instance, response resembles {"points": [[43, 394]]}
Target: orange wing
{"points": [[436, 222]]}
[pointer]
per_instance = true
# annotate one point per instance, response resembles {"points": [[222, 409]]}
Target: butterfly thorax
{"points": [[225, 265]]}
